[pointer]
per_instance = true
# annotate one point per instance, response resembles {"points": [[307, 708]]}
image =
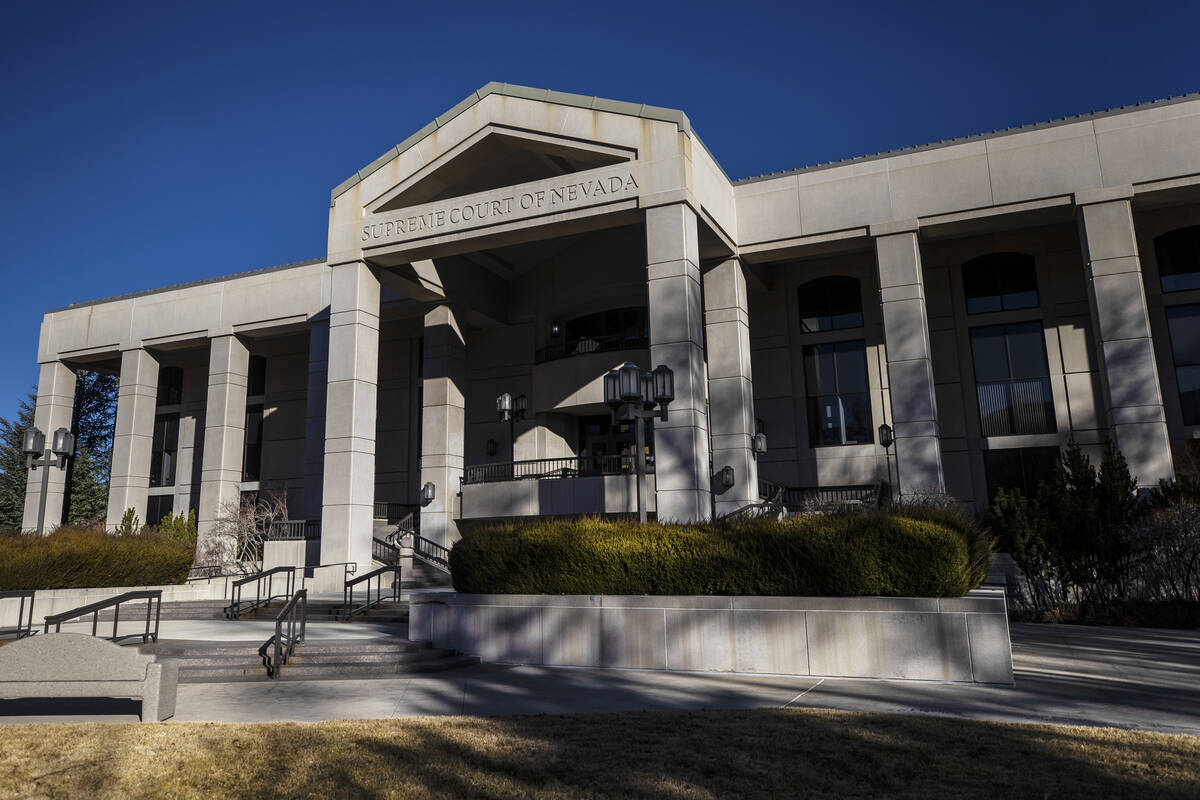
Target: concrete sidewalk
{"points": [[1126, 677]]}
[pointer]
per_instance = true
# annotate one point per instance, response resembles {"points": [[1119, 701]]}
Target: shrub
{"points": [[857, 554], [73, 558], [944, 510]]}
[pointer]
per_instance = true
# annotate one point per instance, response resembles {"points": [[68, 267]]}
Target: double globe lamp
{"points": [[634, 394], [62, 447]]}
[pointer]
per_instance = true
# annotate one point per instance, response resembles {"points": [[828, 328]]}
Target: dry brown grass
{"points": [[705, 754]]}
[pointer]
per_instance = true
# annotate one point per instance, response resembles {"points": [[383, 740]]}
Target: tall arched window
{"points": [[1178, 256], [830, 304], [835, 373], [1000, 282]]}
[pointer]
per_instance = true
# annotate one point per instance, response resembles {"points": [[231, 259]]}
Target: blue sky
{"points": [[145, 144]]}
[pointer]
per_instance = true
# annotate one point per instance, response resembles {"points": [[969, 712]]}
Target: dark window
{"points": [[1178, 256], [1022, 469], [839, 399], [252, 452], [830, 304], [606, 447], [1184, 324], [1012, 379], [256, 377], [170, 386], [603, 332], [1000, 282], [159, 506], [163, 448]]}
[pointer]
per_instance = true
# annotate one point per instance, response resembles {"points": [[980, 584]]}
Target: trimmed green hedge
{"points": [[858, 554], [77, 558]]}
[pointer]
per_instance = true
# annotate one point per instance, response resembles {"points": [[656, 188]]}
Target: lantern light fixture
{"points": [[428, 493], [727, 477], [758, 444], [886, 437]]}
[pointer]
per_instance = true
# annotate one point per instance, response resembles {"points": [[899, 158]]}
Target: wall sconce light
{"points": [[758, 444], [490, 447], [428, 493], [556, 329], [727, 477], [886, 437]]}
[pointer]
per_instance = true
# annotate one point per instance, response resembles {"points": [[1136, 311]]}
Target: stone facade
{"points": [[990, 299]]}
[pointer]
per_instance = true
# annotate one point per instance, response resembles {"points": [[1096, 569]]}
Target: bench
{"points": [[77, 665]]}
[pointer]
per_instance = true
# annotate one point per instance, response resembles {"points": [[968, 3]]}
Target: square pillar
{"points": [[314, 416], [909, 363], [443, 421], [1117, 296], [348, 494], [682, 478], [137, 399], [224, 440], [730, 384], [55, 408]]}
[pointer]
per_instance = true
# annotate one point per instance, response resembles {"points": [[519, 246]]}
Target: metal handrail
{"points": [[153, 598], [770, 504], [293, 614], [544, 468], [385, 551], [867, 494], [425, 549], [282, 530], [348, 607], [390, 511], [238, 606], [24, 626]]}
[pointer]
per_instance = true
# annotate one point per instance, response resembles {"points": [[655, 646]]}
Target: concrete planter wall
{"points": [[962, 640], [56, 601]]}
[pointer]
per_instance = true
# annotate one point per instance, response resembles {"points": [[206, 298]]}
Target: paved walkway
{"points": [[1127, 677]]}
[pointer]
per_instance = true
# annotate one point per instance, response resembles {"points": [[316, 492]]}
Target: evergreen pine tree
{"points": [[92, 423], [13, 474]]}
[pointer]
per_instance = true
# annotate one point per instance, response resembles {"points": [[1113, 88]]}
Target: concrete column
{"points": [[137, 398], [314, 416], [730, 384], [1126, 352], [910, 367], [443, 420], [682, 477], [224, 439], [54, 409], [185, 469], [348, 493]]}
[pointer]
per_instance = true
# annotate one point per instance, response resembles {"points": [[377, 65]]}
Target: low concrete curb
{"points": [[961, 640]]}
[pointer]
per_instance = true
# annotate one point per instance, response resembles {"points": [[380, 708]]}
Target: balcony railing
{"points": [[590, 344], [547, 468], [287, 529]]}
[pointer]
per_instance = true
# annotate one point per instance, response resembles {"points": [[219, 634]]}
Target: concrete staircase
{"points": [[345, 659]]}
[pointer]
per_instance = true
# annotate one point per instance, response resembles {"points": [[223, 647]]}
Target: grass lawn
{"points": [[766, 753]]}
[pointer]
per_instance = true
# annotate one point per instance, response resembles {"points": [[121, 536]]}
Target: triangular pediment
{"points": [[496, 157]]}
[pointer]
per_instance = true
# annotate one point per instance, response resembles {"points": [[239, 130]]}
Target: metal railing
{"points": [[769, 506], [238, 606], [24, 626], [385, 552], [393, 512], [153, 598], [590, 344], [349, 609], [278, 651], [293, 529], [547, 468], [425, 549], [815, 498]]}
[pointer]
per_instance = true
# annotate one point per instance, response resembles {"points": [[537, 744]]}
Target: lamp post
{"points": [[36, 455], [632, 394]]}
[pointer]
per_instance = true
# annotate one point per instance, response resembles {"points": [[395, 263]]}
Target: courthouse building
{"points": [[989, 299]]}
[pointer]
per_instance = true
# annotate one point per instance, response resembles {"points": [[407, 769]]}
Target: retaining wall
{"points": [[961, 639]]}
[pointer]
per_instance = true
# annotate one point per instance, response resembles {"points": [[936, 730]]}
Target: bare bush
{"points": [[235, 542]]}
